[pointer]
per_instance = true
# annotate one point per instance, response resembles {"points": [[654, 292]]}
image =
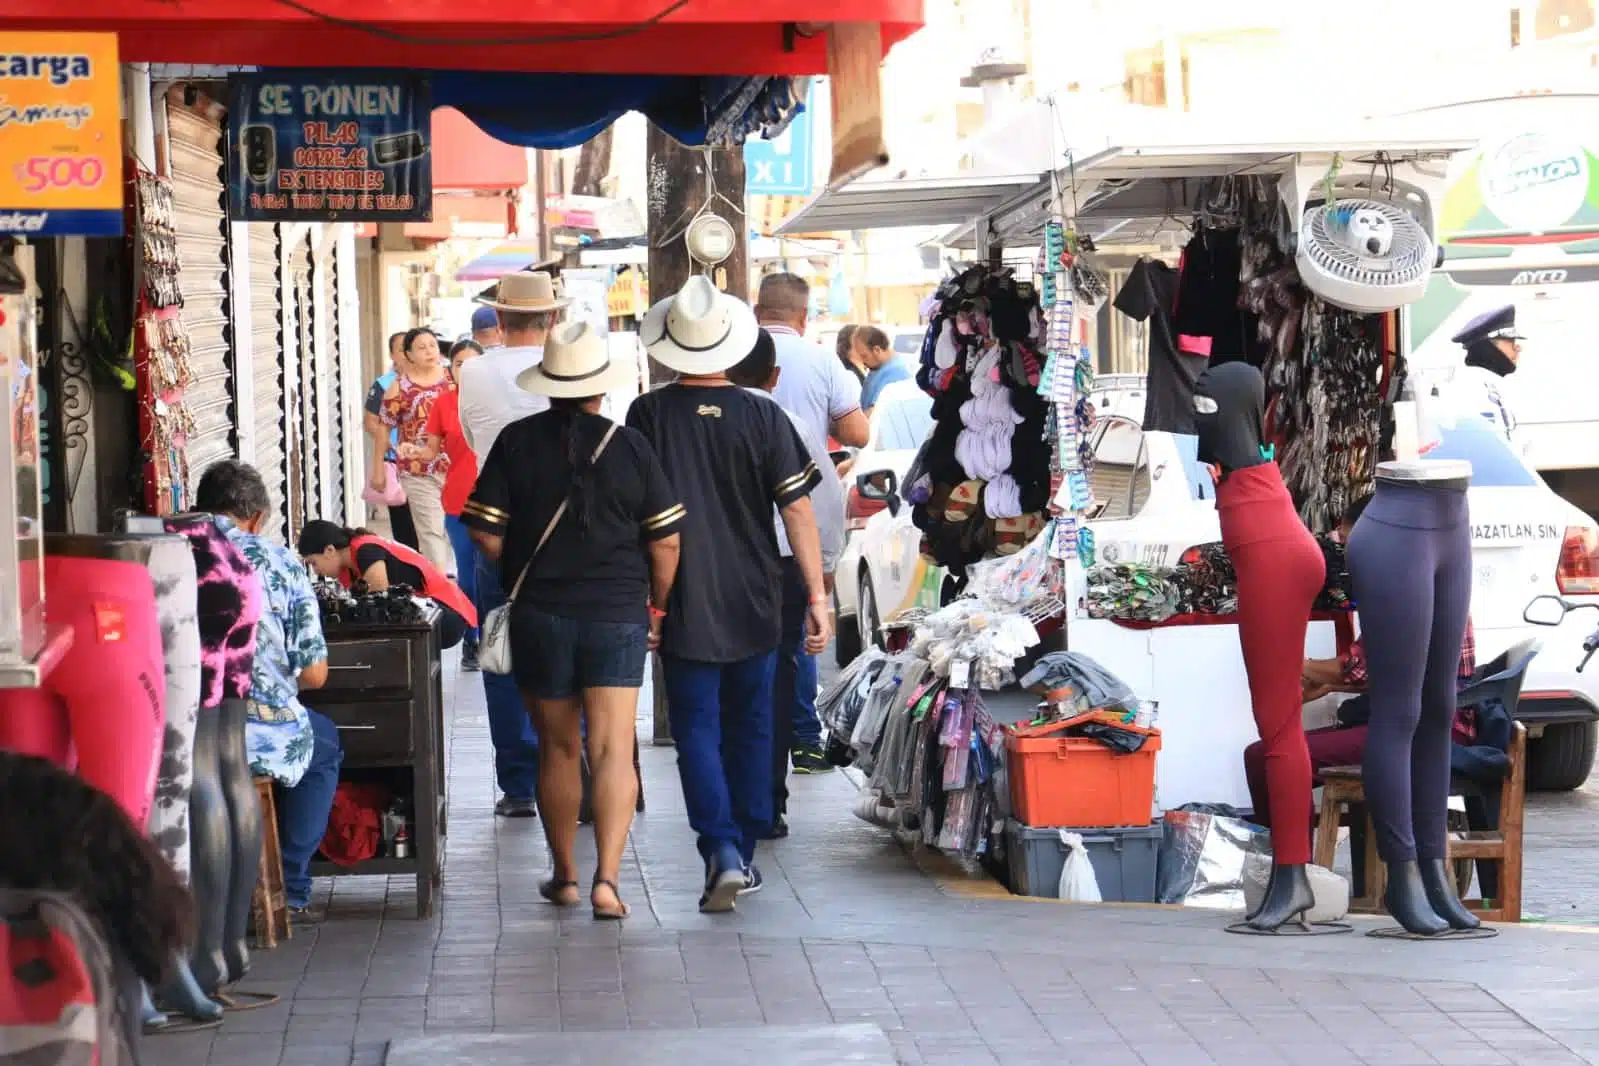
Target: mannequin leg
{"points": [[113, 678], [244, 821], [212, 856], [171, 567]]}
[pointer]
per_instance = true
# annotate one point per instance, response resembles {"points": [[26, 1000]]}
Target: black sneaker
{"points": [[755, 882], [811, 761], [516, 808], [725, 880], [779, 830]]}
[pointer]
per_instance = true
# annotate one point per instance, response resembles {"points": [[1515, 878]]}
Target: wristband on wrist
{"points": [[818, 599], [656, 614]]}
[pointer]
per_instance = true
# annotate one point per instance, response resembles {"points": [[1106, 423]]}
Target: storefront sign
{"points": [[60, 135], [1535, 182], [337, 146], [784, 165]]}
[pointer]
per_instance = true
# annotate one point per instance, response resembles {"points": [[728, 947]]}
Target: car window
{"points": [[902, 421], [1120, 479], [908, 343], [1493, 464]]}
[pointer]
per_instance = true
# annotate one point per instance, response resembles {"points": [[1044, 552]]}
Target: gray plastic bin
{"points": [[1124, 860]]}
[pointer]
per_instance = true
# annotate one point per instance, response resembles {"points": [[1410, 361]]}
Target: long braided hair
{"points": [[578, 458]]}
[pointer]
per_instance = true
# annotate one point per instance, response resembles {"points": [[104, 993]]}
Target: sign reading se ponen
{"points": [[60, 135]]}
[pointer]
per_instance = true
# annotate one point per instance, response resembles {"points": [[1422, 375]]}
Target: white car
{"points": [[900, 421], [1155, 501]]}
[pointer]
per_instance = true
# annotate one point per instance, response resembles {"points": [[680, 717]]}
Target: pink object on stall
{"points": [[106, 701]]}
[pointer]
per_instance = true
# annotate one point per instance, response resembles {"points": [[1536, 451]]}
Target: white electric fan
{"points": [[1365, 254]]}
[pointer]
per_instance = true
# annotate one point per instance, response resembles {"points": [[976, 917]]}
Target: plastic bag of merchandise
{"points": [[839, 706], [1077, 880], [1020, 580], [1204, 857]]}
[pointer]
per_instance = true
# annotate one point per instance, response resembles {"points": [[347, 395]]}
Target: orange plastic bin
{"points": [[1075, 782]]}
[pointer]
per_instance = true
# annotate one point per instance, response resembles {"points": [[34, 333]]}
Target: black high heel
{"points": [[1438, 882], [1271, 879], [1288, 898], [1407, 901]]}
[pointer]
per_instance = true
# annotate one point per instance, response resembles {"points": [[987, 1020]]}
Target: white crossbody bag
{"points": [[494, 651]]}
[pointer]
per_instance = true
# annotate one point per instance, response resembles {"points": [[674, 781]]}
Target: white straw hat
{"points": [[701, 330], [577, 364], [527, 292]]}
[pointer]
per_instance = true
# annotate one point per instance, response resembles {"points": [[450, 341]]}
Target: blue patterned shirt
{"points": [[287, 640]]}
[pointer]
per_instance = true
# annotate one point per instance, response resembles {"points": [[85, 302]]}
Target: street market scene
{"points": [[907, 532]]}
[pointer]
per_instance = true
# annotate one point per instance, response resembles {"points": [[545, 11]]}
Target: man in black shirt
{"points": [[730, 455]]}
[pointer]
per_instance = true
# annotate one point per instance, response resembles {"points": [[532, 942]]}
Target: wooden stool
{"points": [[1343, 786], [269, 905]]}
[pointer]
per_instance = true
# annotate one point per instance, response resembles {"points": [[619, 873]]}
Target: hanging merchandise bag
{"points": [[1205, 853], [1077, 880]]}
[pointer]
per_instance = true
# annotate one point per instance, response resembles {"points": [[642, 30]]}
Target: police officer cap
{"points": [[1491, 325]]}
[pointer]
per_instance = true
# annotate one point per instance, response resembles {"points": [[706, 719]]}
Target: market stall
{"points": [[1276, 277]]}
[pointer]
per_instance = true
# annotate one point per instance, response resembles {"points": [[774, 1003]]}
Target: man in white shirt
{"points": [[813, 385], [796, 731], [526, 305]]}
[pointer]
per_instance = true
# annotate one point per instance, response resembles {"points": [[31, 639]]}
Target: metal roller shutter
{"points": [[328, 283], [266, 354], [304, 489], [196, 137]]}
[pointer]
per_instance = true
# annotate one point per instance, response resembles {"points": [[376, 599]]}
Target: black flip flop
{"points": [[551, 892], [607, 914], [171, 1026]]}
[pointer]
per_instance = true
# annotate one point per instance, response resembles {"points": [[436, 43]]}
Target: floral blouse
{"points": [[407, 410], [287, 640]]}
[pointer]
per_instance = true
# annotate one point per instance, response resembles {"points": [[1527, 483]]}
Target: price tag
{"points": [[960, 673]]}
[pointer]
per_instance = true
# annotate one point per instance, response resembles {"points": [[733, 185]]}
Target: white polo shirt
{"points": [[490, 398]]}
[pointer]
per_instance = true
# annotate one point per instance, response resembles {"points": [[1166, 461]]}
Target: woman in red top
{"points": [[443, 436], [351, 555]]}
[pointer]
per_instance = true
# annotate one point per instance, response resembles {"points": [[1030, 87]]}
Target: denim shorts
{"points": [[557, 658]]}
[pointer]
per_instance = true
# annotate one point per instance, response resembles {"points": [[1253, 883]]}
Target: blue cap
{"points": [[1491, 325], [484, 318]]}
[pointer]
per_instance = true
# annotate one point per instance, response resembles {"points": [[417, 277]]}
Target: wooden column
{"points": [[676, 189]]}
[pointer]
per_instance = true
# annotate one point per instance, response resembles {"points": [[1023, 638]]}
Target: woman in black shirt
{"points": [[587, 605], [351, 555]]}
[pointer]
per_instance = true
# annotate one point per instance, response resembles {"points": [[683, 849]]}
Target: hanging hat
{"points": [[1499, 324], [701, 330], [577, 363], [527, 292]]}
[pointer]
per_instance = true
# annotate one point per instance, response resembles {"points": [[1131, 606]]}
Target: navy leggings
{"points": [[1409, 559]]}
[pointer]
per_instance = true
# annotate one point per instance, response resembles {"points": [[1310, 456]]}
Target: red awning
{"points": [[464, 157], [594, 36]]}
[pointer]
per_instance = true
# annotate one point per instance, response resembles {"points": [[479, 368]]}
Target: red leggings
{"points": [[1280, 572], [106, 700]]}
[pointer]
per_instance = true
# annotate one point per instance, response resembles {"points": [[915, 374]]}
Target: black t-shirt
{"points": [[1150, 295], [597, 571], [1208, 319], [730, 454], [400, 573]]}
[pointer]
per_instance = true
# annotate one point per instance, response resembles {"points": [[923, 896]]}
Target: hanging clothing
{"points": [[1207, 318], [1150, 296]]}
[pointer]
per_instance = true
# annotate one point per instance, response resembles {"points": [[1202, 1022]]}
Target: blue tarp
{"points": [[564, 110]]}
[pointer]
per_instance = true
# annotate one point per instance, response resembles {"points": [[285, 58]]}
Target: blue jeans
{"points": [[303, 810], [516, 744], [465, 562], [721, 717]]}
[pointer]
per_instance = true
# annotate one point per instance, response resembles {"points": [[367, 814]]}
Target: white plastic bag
{"points": [[1077, 880]]}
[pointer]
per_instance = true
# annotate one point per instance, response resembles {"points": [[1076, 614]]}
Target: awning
{"points": [[464, 157], [499, 261], [921, 202], [700, 37]]}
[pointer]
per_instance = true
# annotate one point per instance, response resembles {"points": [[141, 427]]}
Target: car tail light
{"points": [[857, 509], [1578, 574]]}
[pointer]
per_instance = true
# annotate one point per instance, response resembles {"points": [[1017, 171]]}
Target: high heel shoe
{"points": [[1406, 900], [1437, 880], [1288, 897], [1271, 879]]}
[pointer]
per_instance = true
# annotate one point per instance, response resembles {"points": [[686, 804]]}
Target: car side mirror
{"points": [[1546, 611], [880, 485]]}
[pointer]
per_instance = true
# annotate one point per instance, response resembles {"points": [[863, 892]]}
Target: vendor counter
{"points": [[385, 693]]}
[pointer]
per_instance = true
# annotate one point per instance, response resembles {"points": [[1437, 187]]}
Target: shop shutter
{"points": [[301, 407], [196, 138], [266, 354], [328, 281]]}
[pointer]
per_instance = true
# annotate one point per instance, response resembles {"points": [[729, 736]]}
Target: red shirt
{"points": [[444, 421]]}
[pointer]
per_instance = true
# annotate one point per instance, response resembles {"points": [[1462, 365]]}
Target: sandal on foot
{"points": [[553, 890], [609, 914]]}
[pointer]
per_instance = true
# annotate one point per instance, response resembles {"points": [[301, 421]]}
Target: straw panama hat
{"points": [[577, 364], [526, 292], [701, 330]]}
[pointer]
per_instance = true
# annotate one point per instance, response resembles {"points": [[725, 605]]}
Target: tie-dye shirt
{"points": [[228, 608], [288, 639]]}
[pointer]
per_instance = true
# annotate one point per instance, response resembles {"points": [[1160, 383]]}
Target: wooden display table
{"points": [[385, 692]]}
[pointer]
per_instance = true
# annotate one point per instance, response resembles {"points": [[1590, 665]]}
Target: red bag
{"points": [[355, 825]]}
